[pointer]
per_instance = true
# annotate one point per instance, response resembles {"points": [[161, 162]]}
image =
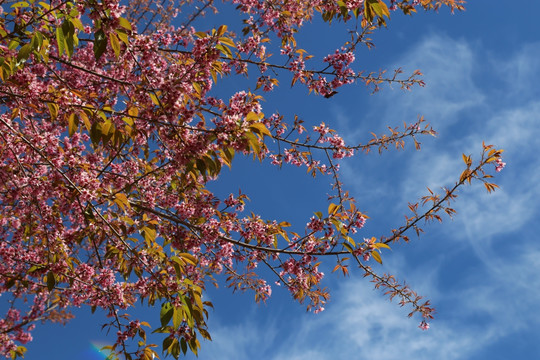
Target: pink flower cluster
{"points": [[499, 165], [424, 325]]}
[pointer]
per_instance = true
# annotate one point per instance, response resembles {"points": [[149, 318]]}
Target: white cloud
{"points": [[452, 100], [239, 339], [448, 66], [499, 228], [490, 300], [518, 73], [362, 324]]}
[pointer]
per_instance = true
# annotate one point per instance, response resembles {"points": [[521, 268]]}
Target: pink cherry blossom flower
{"points": [[500, 165], [424, 325]]}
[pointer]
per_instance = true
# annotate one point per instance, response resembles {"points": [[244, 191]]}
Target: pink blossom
{"points": [[499, 165]]}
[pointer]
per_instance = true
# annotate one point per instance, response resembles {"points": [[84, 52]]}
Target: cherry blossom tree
{"points": [[110, 133]]}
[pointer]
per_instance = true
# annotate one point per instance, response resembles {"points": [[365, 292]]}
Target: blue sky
{"points": [[480, 270]]}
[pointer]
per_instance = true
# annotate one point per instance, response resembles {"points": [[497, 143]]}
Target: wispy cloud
{"points": [[499, 228], [497, 258], [361, 325]]}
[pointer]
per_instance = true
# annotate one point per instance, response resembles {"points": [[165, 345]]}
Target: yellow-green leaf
{"points": [[53, 110], [381, 245], [60, 41], [115, 44], [178, 316], [77, 23], [227, 41], [124, 23], [73, 123], [350, 240], [166, 313], [189, 258], [107, 128], [332, 208], [128, 120], [133, 111], [148, 233], [221, 30], [85, 120], [122, 201], [45, 5], [253, 143], [260, 128], [376, 256], [348, 247], [24, 53], [154, 98], [252, 117], [197, 87], [122, 36]]}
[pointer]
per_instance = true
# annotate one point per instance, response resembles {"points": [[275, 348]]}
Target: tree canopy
{"points": [[112, 128]]}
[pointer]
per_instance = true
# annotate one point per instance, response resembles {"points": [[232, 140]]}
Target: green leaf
{"points": [[77, 23], [188, 311], [348, 247], [13, 44], [85, 120], [227, 41], [178, 317], [253, 143], [183, 344], [24, 53], [193, 345], [60, 40], [9, 283], [167, 342], [350, 240], [166, 313], [51, 281], [100, 44], [95, 133], [18, 352], [122, 201], [375, 7], [69, 37], [222, 29], [175, 349]]}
